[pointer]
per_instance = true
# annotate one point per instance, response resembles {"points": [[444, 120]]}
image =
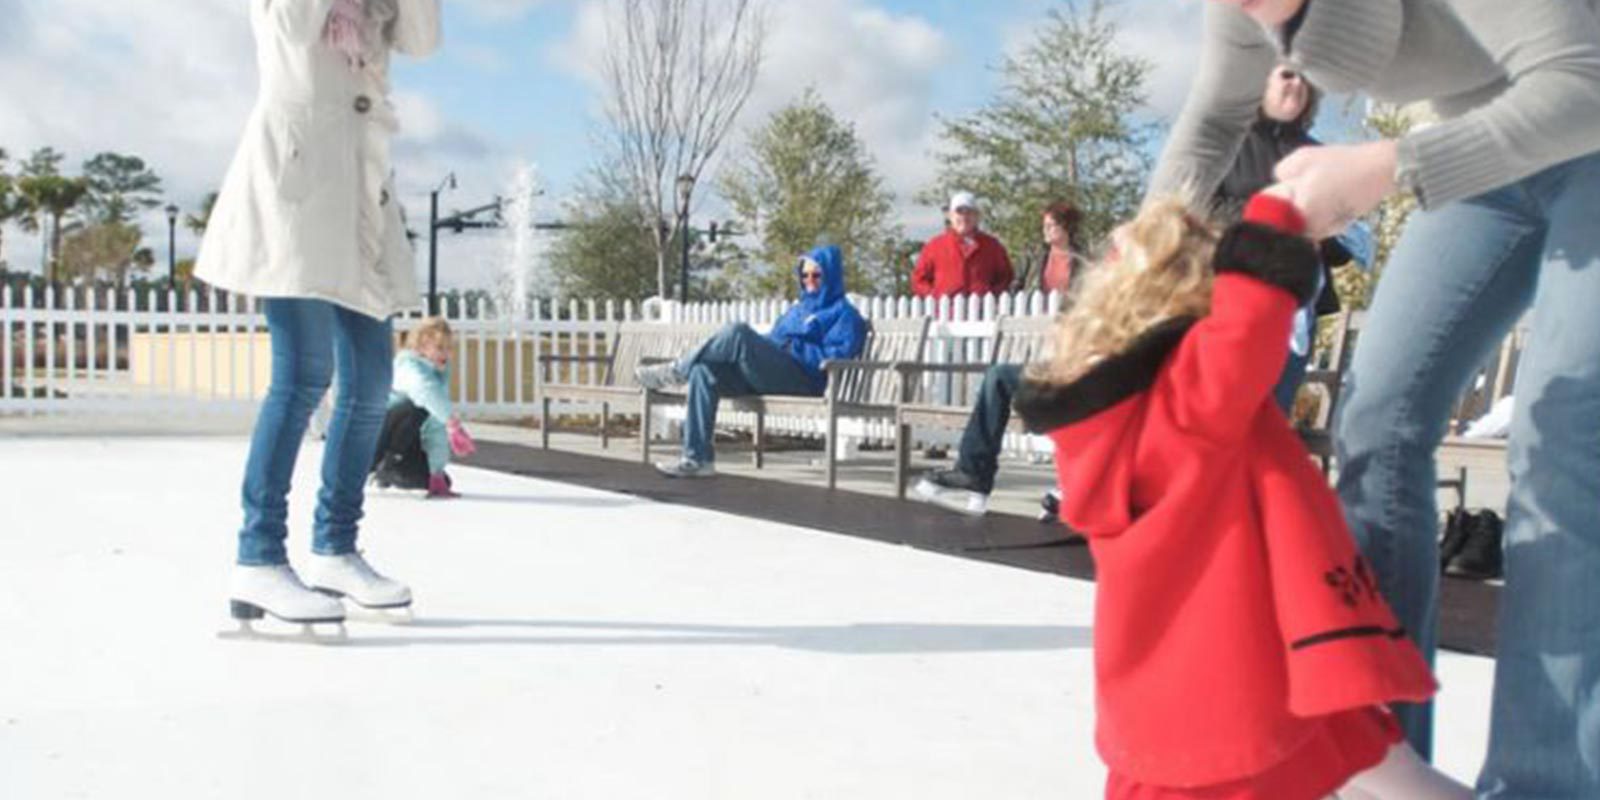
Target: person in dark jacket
{"points": [[1283, 125], [738, 361]]}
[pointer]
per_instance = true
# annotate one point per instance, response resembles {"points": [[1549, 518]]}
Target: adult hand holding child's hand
{"points": [[1333, 185]]}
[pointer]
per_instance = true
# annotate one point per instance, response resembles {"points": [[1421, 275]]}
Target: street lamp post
{"points": [[433, 242], [172, 245], [685, 192]]}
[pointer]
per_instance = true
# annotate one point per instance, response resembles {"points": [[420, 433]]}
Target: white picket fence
{"points": [[87, 350]]}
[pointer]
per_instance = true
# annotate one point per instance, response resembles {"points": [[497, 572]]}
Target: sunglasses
{"points": [[1288, 75], [810, 274]]}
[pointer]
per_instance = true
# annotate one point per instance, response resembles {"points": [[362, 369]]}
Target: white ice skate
{"points": [[256, 591], [350, 576]]}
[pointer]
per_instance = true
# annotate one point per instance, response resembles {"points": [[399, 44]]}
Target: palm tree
{"points": [[53, 196], [11, 205], [198, 221]]}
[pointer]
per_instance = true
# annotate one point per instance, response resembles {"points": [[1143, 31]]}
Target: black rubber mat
{"points": [[1467, 609]]}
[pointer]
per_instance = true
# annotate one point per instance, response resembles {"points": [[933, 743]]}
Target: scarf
{"points": [[345, 30]]}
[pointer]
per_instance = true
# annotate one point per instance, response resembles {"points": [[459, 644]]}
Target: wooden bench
{"points": [[1016, 340], [629, 345], [866, 388], [1494, 380]]}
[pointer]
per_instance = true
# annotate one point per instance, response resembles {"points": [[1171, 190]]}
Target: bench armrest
{"points": [[909, 368], [560, 359]]}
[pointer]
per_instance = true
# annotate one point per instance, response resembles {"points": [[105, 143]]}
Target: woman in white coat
{"points": [[307, 221]]}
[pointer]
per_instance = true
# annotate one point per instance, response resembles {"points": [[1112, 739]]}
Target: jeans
{"points": [[735, 361], [313, 340], [1294, 374], [978, 455], [1458, 281]]}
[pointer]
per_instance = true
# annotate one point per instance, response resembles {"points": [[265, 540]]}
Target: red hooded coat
{"points": [[1233, 611]]}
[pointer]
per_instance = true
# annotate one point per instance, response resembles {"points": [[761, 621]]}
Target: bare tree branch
{"points": [[678, 73]]}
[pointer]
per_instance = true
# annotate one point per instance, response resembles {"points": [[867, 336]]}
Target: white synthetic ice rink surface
{"points": [[570, 644]]}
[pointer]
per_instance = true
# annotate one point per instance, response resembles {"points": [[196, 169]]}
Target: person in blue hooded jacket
{"points": [[738, 361]]}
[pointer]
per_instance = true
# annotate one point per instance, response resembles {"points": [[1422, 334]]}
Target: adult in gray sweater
{"points": [[1509, 185]]}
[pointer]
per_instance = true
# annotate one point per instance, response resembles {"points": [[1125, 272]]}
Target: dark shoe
{"points": [[955, 490], [1050, 506], [1482, 556], [1456, 524]]}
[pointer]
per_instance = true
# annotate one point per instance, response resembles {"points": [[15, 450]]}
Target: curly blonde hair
{"points": [[430, 329], [1160, 269]]}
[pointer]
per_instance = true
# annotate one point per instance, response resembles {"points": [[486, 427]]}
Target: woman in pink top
{"points": [[1061, 260]]}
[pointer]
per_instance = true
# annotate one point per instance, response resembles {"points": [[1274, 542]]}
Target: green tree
{"points": [[51, 197], [119, 187], [609, 250], [1063, 127], [11, 203], [806, 179], [108, 250], [43, 162], [199, 220]]}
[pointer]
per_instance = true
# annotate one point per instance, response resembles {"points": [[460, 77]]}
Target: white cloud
{"points": [[173, 82], [875, 69]]}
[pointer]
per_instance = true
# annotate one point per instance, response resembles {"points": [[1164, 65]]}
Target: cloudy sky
{"points": [[172, 81]]}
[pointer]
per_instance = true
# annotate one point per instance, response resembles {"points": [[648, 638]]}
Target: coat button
{"points": [[383, 197], [363, 104]]}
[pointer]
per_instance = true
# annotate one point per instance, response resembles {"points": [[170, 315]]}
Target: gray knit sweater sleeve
{"points": [[1518, 83], [1223, 101]]}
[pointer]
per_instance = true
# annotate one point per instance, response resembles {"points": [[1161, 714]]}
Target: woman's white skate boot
{"points": [[255, 591], [349, 575]]}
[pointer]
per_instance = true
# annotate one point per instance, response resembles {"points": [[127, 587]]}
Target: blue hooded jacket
{"points": [[823, 325]]}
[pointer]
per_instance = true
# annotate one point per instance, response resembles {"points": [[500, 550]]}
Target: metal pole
{"points": [[433, 253], [172, 250], [683, 285]]}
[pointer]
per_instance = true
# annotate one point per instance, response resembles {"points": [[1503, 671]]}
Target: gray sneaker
{"points": [[657, 377], [686, 469]]}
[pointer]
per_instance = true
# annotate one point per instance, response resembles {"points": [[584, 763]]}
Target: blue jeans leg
{"points": [[979, 452], [363, 350], [310, 341], [735, 361], [1454, 286], [302, 367], [1294, 374], [1544, 739]]}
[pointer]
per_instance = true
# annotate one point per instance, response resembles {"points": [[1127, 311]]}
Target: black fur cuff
{"points": [[1284, 260]]}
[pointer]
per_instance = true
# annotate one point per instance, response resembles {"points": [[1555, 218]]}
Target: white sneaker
{"points": [[349, 575], [686, 469], [961, 501], [659, 376], [276, 590]]}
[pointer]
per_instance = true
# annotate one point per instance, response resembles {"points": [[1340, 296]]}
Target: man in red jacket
{"points": [[962, 259]]}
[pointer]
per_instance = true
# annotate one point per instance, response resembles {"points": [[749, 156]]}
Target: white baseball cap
{"points": [[961, 200]]}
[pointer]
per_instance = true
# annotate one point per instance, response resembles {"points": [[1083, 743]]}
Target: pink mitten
{"points": [[461, 443]]}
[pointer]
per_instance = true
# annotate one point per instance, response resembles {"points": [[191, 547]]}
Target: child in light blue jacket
{"points": [[422, 430]]}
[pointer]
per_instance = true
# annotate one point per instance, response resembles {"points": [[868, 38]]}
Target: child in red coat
{"points": [[1242, 651]]}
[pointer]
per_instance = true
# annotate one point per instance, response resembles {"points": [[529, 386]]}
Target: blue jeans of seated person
{"points": [[735, 361], [1458, 281], [978, 455], [312, 342]]}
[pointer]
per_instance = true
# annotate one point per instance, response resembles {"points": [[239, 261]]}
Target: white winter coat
{"points": [[307, 208]]}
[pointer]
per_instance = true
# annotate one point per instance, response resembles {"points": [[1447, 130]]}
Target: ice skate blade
{"points": [[389, 615], [308, 633]]}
